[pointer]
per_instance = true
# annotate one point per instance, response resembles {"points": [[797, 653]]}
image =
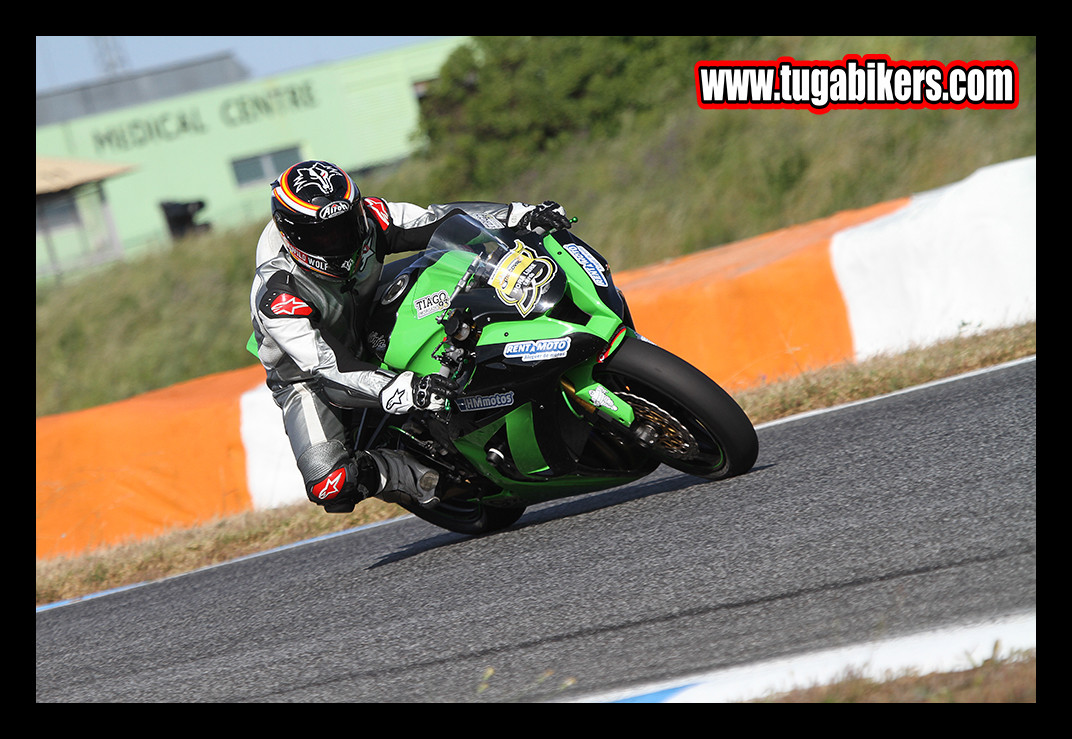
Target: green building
{"points": [[116, 178]]}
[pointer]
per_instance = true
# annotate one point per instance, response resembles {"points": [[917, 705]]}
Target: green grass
{"points": [[669, 182]]}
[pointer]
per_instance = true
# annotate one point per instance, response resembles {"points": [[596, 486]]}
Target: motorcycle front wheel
{"points": [[695, 425]]}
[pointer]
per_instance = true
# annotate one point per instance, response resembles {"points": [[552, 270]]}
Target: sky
{"points": [[63, 61]]}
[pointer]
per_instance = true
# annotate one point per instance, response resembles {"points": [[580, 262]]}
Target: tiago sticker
{"points": [[430, 304], [521, 276]]}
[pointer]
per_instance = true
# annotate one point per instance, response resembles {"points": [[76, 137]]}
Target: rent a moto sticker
{"points": [[520, 277], [537, 351]]}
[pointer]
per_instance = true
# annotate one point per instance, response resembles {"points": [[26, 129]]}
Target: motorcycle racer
{"points": [[319, 260]]}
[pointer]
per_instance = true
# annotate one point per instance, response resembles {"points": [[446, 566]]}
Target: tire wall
{"points": [[960, 259]]}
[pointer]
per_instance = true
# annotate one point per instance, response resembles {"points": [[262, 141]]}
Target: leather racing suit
{"points": [[309, 339]]}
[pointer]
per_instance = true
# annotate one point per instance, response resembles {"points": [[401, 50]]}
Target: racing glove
{"points": [[409, 391], [548, 216]]}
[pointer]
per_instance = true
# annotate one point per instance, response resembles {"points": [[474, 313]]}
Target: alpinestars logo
{"points": [[395, 401], [379, 209], [331, 485], [289, 305]]}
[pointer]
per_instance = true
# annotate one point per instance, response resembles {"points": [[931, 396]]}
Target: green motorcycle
{"points": [[559, 395]]}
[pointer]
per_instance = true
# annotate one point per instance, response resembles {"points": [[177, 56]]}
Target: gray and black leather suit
{"points": [[309, 339]]}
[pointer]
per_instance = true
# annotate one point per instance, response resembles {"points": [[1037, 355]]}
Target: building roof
{"points": [[55, 174], [136, 88]]}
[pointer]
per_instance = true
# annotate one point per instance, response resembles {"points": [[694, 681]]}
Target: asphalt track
{"points": [[906, 513]]}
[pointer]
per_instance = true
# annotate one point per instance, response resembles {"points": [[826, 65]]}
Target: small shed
{"points": [[75, 228]]}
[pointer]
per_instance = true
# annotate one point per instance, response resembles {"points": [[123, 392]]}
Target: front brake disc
{"points": [[674, 439]]}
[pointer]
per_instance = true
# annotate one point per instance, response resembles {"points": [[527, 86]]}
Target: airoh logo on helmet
{"points": [[333, 209]]}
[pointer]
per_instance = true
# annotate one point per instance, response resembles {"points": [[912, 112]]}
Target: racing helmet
{"points": [[318, 211]]}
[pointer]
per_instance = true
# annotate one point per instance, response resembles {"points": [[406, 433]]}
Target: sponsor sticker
{"points": [[537, 351], [591, 264], [600, 398], [430, 304], [315, 263], [377, 342], [485, 402], [520, 277]]}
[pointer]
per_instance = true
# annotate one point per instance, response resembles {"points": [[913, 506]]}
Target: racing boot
{"points": [[402, 474]]}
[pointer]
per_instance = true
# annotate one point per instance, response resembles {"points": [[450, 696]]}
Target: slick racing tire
{"points": [[699, 428]]}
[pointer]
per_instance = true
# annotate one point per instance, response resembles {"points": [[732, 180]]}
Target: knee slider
{"points": [[331, 477]]}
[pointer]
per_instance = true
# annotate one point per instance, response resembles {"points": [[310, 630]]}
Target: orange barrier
{"points": [[140, 467], [755, 310], [751, 311]]}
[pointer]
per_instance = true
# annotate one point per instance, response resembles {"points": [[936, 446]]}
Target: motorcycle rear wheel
{"points": [[470, 517], [701, 429]]}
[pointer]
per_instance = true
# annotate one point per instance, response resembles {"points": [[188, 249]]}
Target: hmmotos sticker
{"points": [[485, 402]]}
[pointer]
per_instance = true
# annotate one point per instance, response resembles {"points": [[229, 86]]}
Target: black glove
{"points": [[548, 216], [408, 391]]}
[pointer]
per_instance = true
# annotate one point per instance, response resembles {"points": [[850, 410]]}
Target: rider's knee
{"points": [[332, 478]]}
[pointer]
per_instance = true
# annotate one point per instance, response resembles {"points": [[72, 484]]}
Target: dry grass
{"points": [[1009, 680], [184, 550], [843, 383]]}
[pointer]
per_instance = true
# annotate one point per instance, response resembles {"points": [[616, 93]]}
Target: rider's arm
{"points": [[294, 349], [408, 227]]}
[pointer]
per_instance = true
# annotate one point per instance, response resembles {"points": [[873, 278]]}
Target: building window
{"points": [[264, 168], [57, 211]]}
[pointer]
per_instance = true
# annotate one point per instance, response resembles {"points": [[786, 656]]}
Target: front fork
{"points": [[587, 397]]}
